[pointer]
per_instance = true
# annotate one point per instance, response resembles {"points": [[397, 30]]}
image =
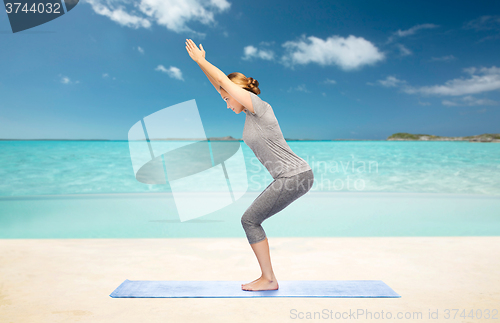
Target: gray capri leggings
{"points": [[279, 194]]}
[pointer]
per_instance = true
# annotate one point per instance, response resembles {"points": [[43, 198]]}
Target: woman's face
{"points": [[231, 102]]}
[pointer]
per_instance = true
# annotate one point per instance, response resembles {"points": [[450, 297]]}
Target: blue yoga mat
{"points": [[225, 289]]}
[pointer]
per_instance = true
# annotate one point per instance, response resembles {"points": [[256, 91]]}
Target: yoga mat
{"points": [[226, 289]]}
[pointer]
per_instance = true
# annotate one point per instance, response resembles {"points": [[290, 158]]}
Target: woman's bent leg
{"points": [[278, 195], [260, 210]]}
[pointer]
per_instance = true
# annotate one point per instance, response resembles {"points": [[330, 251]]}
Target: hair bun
{"points": [[253, 84], [247, 83]]}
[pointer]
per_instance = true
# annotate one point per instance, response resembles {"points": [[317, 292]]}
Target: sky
{"points": [[329, 69]]}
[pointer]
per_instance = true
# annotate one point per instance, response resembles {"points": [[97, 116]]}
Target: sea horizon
{"points": [[485, 137], [188, 139], [286, 139]]}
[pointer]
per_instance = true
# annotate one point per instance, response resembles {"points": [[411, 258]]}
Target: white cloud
{"points": [[413, 30], [67, 80], [118, 14], [481, 80], [484, 23], [106, 75], [267, 43], [469, 101], [172, 71], [424, 103], [251, 52], [404, 33], [486, 79], [139, 48], [443, 58], [328, 81], [449, 103], [348, 53], [173, 14], [391, 81], [299, 88], [404, 51]]}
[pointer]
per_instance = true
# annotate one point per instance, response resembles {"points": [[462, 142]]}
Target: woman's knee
{"points": [[244, 220], [247, 219], [308, 181]]}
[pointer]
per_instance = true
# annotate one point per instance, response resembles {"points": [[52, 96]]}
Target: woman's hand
{"points": [[193, 51]]}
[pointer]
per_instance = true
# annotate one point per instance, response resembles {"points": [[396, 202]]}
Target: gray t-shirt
{"points": [[263, 135]]}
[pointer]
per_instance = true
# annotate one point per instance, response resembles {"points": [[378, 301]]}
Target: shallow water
{"points": [[90, 167], [88, 189], [316, 214]]}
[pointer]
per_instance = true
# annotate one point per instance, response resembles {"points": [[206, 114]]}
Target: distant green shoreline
{"points": [[400, 136], [404, 136]]}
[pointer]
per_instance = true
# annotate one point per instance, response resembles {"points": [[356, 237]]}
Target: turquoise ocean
{"points": [[88, 189]]}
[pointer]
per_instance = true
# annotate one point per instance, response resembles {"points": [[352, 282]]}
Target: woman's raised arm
{"points": [[198, 56], [214, 82], [239, 94]]}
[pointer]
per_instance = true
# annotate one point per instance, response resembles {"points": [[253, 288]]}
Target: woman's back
{"points": [[263, 135]]}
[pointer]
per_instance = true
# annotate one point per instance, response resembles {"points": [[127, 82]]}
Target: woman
{"points": [[293, 177]]}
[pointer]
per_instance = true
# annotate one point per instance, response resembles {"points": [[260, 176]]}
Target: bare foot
{"points": [[247, 284], [261, 284]]}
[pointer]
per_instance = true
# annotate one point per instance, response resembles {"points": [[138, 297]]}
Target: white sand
{"points": [[70, 280]]}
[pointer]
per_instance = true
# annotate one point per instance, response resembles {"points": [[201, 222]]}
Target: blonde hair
{"points": [[247, 83]]}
